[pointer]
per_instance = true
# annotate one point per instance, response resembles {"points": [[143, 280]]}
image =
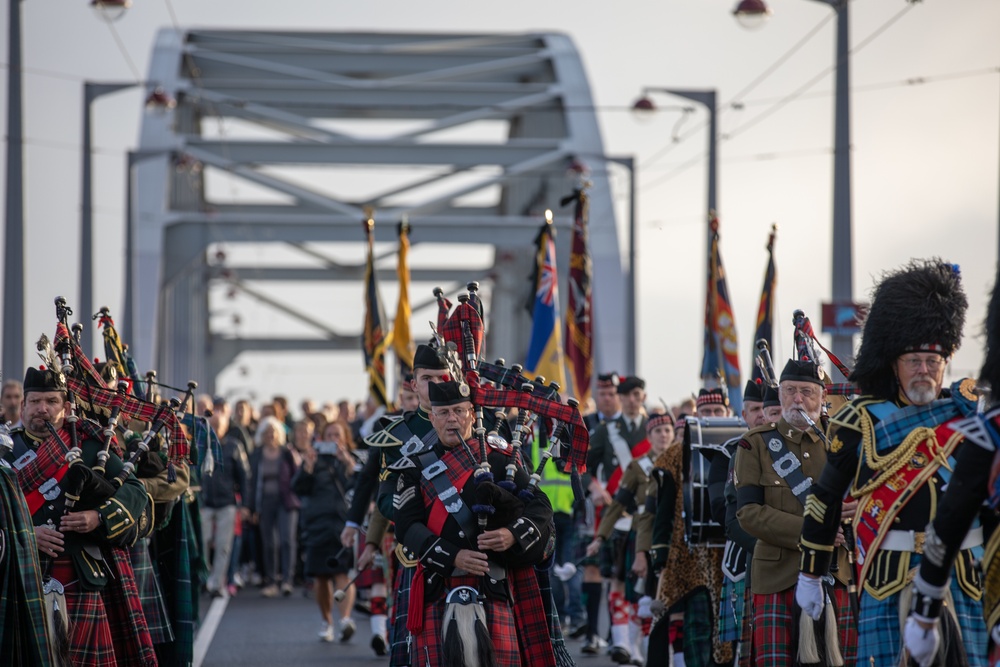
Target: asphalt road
{"points": [[281, 631], [254, 631]]}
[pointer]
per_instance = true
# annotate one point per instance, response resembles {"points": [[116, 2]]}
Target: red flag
{"points": [[579, 329]]}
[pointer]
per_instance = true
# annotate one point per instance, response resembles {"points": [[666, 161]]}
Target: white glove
{"points": [[564, 572], [922, 644], [809, 595], [644, 610]]}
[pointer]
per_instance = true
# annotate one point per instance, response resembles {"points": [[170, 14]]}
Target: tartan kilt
{"points": [[150, 595], [399, 649], [879, 639], [698, 622], [747, 657], [731, 610], [775, 635], [107, 628], [428, 644]]}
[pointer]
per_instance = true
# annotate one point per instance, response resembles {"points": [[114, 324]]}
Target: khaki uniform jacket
{"points": [[767, 508], [631, 499]]}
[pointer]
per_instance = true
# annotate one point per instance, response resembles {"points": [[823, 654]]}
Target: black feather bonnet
{"points": [[919, 308]]}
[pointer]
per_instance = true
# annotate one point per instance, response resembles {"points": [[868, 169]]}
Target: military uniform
{"points": [[875, 459], [769, 510], [896, 457]]}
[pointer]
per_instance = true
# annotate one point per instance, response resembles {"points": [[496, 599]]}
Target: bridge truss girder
{"points": [[304, 97]]}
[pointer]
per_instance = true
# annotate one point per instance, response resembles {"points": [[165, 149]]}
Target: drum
{"points": [[704, 439]]}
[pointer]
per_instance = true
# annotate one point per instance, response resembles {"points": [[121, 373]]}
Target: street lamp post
{"points": [[91, 91], [13, 261], [842, 278], [13, 265], [707, 99]]}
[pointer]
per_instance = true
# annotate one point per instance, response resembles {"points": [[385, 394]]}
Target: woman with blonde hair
{"points": [[274, 505]]}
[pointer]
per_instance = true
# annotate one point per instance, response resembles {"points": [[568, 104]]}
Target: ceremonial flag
{"points": [[765, 311], [374, 338], [721, 357], [579, 329], [402, 341], [113, 349], [545, 353]]}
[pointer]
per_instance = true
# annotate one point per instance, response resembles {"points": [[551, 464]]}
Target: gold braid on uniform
{"points": [[888, 465]]}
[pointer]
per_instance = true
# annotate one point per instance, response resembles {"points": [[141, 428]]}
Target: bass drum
{"points": [[703, 440]]}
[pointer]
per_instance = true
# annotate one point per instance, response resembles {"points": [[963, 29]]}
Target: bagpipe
{"points": [[98, 412]]}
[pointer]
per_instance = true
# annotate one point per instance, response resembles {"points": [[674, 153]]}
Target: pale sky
{"points": [[925, 153]]}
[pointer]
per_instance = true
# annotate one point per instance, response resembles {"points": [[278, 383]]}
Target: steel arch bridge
{"points": [[468, 136]]}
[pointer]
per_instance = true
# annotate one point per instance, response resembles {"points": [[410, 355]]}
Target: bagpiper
{"points": [[474, 599], [893, 449], [776, 464], [929, 634]]}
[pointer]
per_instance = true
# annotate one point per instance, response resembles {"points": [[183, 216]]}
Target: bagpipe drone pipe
{"points": [[98, 412]]}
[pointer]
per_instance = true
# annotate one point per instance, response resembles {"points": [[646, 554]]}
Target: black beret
{"points": [[771, 397], [608, 380], [801, 371], [448, 393], [753, 391], [42, 379], [427, 357], [629, 383]]}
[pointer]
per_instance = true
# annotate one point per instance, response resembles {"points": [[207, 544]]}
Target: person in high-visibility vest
{"points": [[567, 585]]}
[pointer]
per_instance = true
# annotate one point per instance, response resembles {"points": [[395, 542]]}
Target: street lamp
{"points": [[842, 268], [752, 14], [707, 98], [110, 10]]}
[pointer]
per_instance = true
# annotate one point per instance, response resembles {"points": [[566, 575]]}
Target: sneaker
{"points": [[232, 589], [577, 631], [347, 629], [286, 589], [379, 645], [594, 645], [620, 655], [326, 634], [270, 591], [238, 580]]}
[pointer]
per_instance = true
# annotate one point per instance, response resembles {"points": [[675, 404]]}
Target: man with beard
{"points": [[775, 467], [893, 449]]}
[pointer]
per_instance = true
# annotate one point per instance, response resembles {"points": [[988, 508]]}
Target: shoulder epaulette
{"points": [[17, 430], [852, 414], [384, 437]]}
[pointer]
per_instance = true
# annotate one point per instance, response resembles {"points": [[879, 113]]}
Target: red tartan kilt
{"points": [[427, 646], [775, 629], [90, 641]]}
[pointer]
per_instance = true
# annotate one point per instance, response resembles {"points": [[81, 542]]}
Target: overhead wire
{"points": [[785, 100]]}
